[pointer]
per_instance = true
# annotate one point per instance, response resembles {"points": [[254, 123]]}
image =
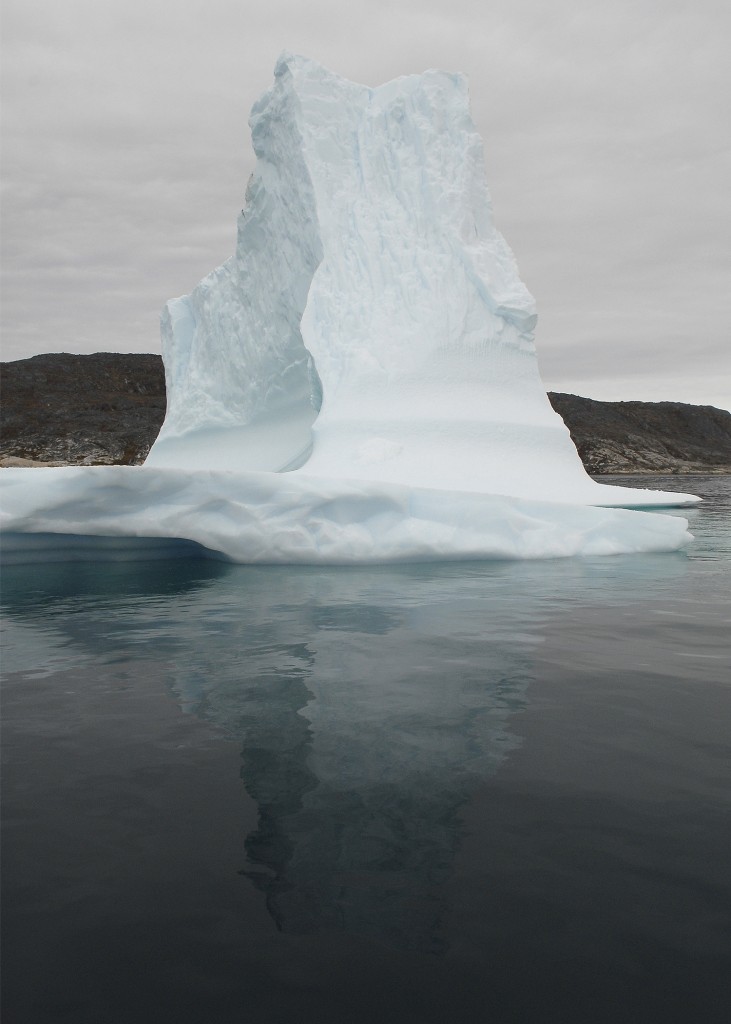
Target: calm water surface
{"points": [[470, 792]]}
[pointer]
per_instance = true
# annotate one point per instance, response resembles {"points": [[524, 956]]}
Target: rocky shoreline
{"points": [[647, 437], [107, 408]]}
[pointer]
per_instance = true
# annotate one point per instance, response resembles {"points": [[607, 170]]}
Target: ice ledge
{"points": [[295, 519]]}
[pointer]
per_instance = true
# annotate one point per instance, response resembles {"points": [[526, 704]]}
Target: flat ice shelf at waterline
{"points": [[359, 381]]}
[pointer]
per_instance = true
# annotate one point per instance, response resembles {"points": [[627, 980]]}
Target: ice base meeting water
{"points": [[483, 791]]}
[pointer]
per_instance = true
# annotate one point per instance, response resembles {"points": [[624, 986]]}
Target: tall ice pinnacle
{"points": [[372, 324]]}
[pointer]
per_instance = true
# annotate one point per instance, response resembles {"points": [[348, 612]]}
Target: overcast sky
{"points": [[607, 125]]}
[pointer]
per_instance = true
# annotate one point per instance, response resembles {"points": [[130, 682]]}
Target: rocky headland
{"points": [[101, 409], [107, 408], [647, 437]]}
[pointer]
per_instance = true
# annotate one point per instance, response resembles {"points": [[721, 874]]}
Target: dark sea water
{"points": [[472, 792]]}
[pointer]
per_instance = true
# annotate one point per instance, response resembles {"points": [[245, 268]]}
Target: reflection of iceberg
{"points": [[369, 704], [360, 767], [371, 336], [371, 839]]}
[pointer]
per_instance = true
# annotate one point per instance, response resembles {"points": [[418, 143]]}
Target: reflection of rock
{"points": [[360, 764]]}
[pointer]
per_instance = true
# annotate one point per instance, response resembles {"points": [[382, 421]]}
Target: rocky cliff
{"points": [[647, 437], [108, 408], [97, 409]]}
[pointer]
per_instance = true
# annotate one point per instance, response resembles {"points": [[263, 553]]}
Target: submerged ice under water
{"points": [[496, 785]]}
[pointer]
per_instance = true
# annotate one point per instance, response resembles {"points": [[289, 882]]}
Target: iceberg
{"points": [[372, 323], [359, 382], [290, 518]]}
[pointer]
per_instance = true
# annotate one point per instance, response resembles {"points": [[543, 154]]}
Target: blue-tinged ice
{"points": [[359, 381], [370, 289]]}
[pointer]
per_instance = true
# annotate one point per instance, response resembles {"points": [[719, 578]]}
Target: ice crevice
{"points": [[358, 382]]}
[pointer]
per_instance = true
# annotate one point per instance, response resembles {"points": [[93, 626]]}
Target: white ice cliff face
{"points": [[370, 280], [240, 383], [359, 381]]}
